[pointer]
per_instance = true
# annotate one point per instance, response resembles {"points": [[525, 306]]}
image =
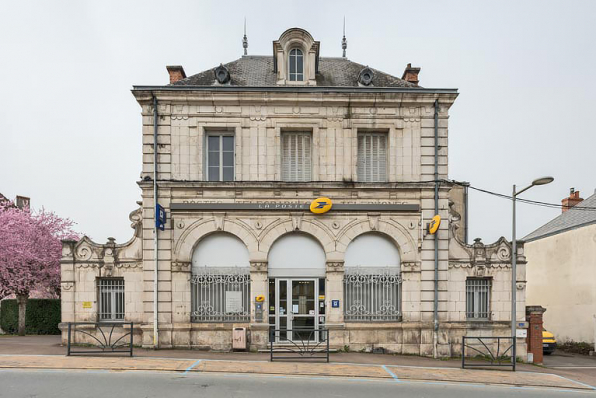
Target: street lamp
{"points": [[538, 181]]}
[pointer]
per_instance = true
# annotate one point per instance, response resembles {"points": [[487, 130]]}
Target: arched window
{"points": [[296, 65], [372, 281], [220, 282], [296, 255]]}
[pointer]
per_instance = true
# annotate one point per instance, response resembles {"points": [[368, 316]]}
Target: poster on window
{"points": [[233, 302]]}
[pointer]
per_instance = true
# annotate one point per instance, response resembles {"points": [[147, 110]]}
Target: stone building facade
{"points": [[243, 150]]}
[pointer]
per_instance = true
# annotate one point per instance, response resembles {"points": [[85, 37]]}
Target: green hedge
{"points": [[43, 316]]}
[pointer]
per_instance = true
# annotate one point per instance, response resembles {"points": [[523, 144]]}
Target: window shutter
{"points": [[372, 157], [296, 157]]}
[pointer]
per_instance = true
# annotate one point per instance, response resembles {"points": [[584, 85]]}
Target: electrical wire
{"points": [[527, 201]]}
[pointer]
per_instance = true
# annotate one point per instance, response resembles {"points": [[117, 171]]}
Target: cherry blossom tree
{"points": [[30, 252]]}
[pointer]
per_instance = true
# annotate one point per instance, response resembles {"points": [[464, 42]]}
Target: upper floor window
{"points": [[295, 156], [296, 65], [372, 157], [220, 156]]}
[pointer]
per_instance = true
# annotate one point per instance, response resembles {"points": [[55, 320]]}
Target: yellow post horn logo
{"points": [[321, 205], [434, 224]]}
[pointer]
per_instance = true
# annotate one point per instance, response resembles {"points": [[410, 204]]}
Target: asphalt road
{"points": [[17, 383]]}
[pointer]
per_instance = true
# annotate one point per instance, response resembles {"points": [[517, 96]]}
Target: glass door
{"points": [[299, 306], [303, 309]]}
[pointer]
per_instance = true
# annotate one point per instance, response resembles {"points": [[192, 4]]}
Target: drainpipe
{"points": [[466, 213], [155, 229], [436, 296]]}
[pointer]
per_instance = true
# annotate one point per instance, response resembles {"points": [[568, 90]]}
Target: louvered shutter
{"points": [[296, 156], [372, 157]]}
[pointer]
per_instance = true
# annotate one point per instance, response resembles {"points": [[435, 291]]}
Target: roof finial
{"points": [[245, 39], [344, 42]]}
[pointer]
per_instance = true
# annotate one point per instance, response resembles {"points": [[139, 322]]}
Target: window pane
{"points": [[213, 158], [228, 143], [228, 174], [213, 143], [213, 174], [299, 64], [292, 65], [228, 159]]}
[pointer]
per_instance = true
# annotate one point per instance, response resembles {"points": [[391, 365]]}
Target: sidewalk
{"points": [[45, 352]]}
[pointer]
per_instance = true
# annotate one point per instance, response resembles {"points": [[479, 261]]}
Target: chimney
{"points": [[571, 201], [411, 74], [176, 73]]}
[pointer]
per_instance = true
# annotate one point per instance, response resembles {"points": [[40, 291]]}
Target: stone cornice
{"points": [[309, 186]]}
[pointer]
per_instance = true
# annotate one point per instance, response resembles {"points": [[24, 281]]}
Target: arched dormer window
{"points": [[296, 65]]}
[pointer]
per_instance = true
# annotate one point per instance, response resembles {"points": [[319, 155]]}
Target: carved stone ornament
{"points": [[181, 266], [128, 265], [258, 266], [297, 221], [87, 265], [410, 266], [67, 286], [84, 252], [335, 266]]}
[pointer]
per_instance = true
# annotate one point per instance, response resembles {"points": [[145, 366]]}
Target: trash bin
{"points": [[239, 339]]}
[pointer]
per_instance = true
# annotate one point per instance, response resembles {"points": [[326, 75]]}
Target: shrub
{"points": [[42, 317]]}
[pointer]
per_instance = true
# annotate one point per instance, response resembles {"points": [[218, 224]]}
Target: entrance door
{"points": [[299, 305]]}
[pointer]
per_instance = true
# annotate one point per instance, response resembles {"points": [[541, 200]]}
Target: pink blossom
{"points": [[30, 250]]}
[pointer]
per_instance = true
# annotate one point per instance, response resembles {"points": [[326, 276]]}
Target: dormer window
{"points": [[296, 65], [296, 58]]}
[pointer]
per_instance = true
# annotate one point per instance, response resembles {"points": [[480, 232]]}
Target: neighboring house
{"points": [[248, 153], [561, 270]]}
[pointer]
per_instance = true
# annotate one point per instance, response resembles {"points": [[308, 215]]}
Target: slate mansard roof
{"points": [[258, 71], [573, 218]]}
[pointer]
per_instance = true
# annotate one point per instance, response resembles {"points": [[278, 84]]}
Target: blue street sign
{"points": [[160, 217], [334, 303]]}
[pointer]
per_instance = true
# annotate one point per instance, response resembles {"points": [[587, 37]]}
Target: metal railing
{"points": [[487, 352], [100, 342], [299, 344]]}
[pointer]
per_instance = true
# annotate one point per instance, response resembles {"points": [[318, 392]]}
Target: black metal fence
{"points": [[299, 344], [486, 352], [99, 338]]}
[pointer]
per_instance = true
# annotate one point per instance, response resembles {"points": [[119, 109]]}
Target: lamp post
{"points": [[538, 181]]}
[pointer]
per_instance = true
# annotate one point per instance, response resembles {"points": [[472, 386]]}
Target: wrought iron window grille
{"points": [[111, 299], [478, 299], [372, 294], [220, 295]]}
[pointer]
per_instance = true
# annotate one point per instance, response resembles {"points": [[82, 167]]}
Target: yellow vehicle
{"points": [[549, 344]]}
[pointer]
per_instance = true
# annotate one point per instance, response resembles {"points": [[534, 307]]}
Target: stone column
{"points": [[534, 339], [334, 290], [259, 328]]}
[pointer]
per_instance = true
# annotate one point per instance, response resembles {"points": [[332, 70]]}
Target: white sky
{"points": [[71, 130]]}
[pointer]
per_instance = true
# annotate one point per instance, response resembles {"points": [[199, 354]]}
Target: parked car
{"points": [[549, 344]]}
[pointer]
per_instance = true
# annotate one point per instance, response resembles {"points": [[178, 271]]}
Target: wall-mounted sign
{"points": [[160, 217], [335, 303], [260, 298], [521, 333], [233, 302], [276, 206], [322, 297], [434, 224], [321, 205], [86, 304]]}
